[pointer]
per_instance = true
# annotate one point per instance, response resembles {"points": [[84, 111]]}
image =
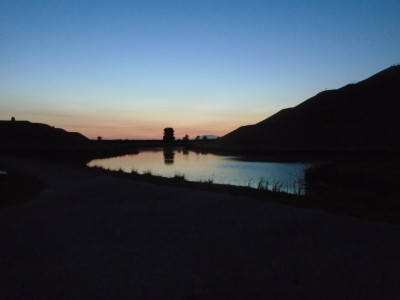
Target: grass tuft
{"points": [[147, 173], [179, 176]]}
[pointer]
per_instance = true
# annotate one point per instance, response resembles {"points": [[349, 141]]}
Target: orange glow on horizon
{"points": [[151, 134], [149, 127]]}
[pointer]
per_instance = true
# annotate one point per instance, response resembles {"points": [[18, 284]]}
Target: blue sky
{"points": [[127, 69]]}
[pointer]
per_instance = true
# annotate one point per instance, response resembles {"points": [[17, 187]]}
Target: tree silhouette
{"points": [[185, 138], [169, 134]]}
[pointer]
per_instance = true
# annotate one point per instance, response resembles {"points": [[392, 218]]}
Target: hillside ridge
{"points": [[357, 116]]}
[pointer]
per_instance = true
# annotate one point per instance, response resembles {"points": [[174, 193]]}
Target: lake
{"points": [[208, 167]]}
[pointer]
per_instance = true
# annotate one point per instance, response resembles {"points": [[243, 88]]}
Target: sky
{"points": [[128, 69]]}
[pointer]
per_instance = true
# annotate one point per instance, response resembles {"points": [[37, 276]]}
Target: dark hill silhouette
{"points": [[35, 139], [24, 136], [357, 117]]}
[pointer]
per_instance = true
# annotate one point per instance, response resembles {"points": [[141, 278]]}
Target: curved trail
{"points": [[89, 235]]}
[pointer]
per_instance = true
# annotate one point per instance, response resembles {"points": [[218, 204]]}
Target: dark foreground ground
{"points": [[89, 235]]}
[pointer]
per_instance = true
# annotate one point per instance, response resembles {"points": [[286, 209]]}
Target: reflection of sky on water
{"points": [[203, 167]]}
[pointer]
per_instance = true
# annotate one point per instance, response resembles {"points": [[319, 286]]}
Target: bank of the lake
{"points": [[361, 187]]}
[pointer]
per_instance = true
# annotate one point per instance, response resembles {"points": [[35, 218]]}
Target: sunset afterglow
{"points": [[127, 70]]}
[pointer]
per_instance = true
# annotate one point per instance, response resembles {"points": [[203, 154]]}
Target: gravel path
{"points": [[95, 236]]}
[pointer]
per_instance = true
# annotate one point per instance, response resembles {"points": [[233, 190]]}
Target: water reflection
{"points": [[168, 156], [196, 166]]}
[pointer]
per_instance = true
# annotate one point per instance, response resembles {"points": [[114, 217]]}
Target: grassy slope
{"points": [[368, 185]]}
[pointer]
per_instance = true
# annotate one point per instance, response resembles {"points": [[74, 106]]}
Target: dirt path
{"points": [[95, 236]]}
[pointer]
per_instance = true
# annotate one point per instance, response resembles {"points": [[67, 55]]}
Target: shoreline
{"points": [[332, 199]]}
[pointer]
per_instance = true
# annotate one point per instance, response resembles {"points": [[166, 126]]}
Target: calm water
{"points": [[288, 177]]}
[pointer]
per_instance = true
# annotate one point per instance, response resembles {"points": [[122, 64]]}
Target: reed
{"points": [[209, 180], [297, 187], [262, 184]]}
